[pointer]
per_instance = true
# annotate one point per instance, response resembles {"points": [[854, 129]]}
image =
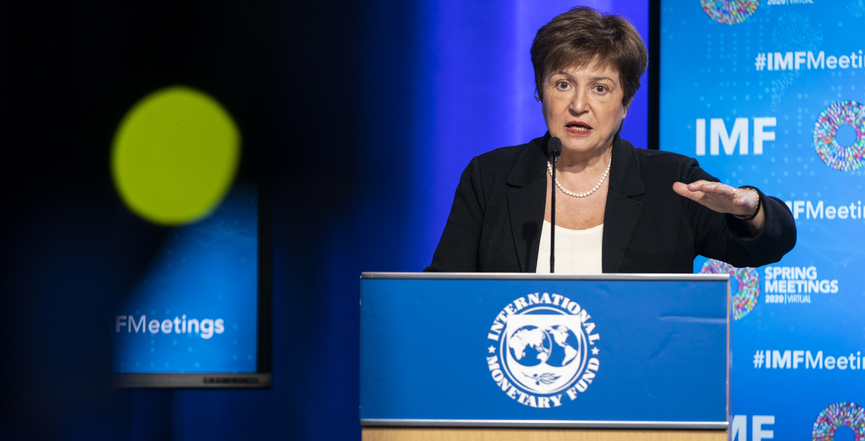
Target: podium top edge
{"points": [[535, 276]]}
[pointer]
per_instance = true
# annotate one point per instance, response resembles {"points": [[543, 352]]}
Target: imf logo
{"points": [[544, 349], [846, 155], [745, 281], [729, 11]]}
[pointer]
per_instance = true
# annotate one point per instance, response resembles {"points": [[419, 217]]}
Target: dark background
{"points": [[289, 73]]}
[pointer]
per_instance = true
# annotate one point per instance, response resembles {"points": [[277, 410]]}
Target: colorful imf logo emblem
{"points": [[729, 11], [544, 349], [837, 415], [844, 114], [747, 279]]}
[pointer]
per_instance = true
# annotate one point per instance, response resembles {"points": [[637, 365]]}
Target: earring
{"points": [[537, 98]]}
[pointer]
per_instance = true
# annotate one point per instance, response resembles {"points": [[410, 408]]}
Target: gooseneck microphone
{"points": [[554, 146]]}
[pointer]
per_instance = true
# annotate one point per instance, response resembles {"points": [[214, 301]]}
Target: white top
{"points": [[577, 251]]}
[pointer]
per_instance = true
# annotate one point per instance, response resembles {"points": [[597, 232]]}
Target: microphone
{"points": [[554, 146]]}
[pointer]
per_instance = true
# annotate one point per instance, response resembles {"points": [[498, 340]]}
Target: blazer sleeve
{"points": [[457, 250], [725, 238]]}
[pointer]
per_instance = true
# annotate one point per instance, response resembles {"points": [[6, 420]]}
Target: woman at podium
{"points": [[619, 209]]}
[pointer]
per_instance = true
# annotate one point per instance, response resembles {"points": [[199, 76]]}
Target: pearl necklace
{"points": [[581, 195]]}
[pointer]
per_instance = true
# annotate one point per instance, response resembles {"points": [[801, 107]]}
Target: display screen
{"points": [[196, 308]]}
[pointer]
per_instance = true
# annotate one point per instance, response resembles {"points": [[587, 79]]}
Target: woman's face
{"points": [[583, 107]]}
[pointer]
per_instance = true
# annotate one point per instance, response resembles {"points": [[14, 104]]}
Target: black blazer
{"points": [[498, 210]]}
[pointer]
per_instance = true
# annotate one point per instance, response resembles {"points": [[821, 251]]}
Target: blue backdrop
{"points": [[771, 95]]}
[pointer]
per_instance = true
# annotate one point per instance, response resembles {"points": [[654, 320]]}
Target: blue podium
{"points": [[491, 356]]}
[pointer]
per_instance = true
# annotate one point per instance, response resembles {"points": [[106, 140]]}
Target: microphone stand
{"points": [[555, 149], [553, 159]]}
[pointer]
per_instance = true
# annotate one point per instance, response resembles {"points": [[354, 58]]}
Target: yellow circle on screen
{"points": [[175, 155]]}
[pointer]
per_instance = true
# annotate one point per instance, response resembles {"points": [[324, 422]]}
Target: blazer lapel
{"points": [[622, 213], [526, 202]]}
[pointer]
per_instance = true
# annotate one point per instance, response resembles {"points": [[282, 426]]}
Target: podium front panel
{"points": [[647, 351]]}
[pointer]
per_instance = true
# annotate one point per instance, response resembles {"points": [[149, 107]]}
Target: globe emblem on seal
{"points": [[557, 346], [543, 353]]}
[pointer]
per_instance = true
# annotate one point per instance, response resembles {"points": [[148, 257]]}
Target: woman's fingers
{"points": [[718, 196]]}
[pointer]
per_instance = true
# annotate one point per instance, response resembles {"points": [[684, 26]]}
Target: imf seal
{"points": [[544, 350]]}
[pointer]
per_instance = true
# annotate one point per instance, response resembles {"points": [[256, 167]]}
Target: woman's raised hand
{"points": [[724, 199]]}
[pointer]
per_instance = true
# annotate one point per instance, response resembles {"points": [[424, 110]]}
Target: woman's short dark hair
{"points": [[582, 35]]}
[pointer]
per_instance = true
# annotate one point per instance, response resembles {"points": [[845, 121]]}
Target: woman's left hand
{"points": [[724, 199]]}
